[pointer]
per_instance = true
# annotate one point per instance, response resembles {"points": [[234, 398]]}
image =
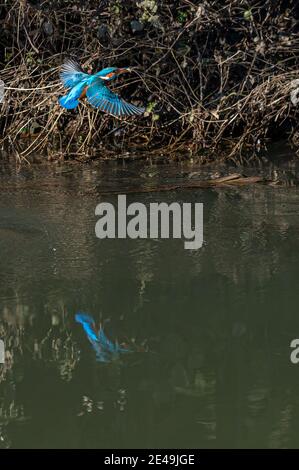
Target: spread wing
{"points": [[101, 97], [71, 74], [108, 346], [105, 342]]}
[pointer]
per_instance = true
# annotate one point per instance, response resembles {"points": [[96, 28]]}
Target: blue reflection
{"points": [[105, 349]]}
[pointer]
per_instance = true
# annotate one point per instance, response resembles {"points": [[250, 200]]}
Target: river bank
{"points": [[216, 78]]}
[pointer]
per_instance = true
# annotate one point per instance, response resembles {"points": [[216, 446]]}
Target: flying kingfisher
{"points": [[105, 349], [93, 87]]}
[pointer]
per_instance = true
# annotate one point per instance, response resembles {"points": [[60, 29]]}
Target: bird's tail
{"points": [[67, 102]]}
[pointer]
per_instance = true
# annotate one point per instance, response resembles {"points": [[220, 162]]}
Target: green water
{"points": [[212, 327]]}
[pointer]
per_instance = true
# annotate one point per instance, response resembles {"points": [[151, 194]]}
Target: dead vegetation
{"points": [[215, 76]]}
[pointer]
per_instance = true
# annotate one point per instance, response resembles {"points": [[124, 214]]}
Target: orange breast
{"points": [[83, 94]]}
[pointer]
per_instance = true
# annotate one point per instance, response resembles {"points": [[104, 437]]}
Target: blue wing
{"points": [[101, 97], [71, 74], [108, 345], [101, 356]]}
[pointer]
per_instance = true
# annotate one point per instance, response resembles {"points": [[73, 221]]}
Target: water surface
{"points": [[212, 327]]}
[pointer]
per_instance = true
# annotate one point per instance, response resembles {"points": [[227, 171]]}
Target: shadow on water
{"points": [[211, 328]]}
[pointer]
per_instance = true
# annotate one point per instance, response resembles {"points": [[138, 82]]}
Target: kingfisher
{"points": [[105, 349], [94, 88]]}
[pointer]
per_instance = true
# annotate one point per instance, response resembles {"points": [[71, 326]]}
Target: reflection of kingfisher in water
{"points": [[94, 88], [105, 349]]}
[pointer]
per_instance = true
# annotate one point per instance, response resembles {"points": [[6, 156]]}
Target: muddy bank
{"points": [[216, 77]]}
